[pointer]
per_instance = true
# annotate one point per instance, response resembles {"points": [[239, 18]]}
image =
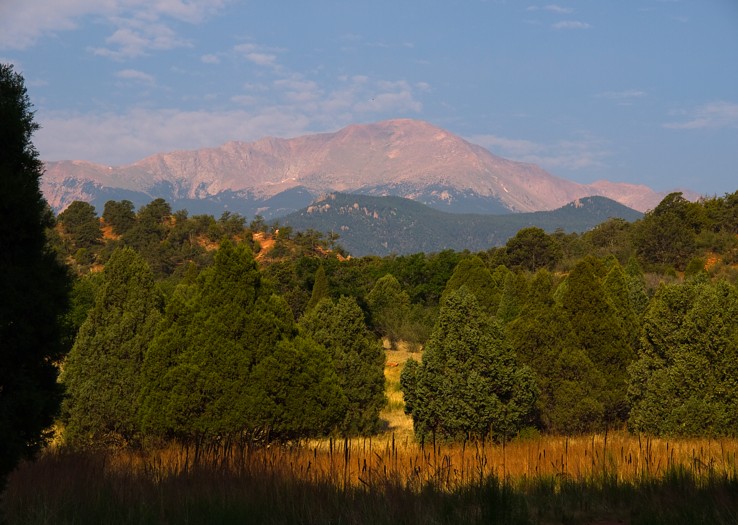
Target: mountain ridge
{"points": [[371, 225], [402, 157]]}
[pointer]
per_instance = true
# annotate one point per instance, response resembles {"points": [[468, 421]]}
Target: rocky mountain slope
{"points": [[406, 158]]}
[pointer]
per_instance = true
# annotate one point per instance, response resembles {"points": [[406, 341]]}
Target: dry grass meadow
{"points": [[390, 478]]}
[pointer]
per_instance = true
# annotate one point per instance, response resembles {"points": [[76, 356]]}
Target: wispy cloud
{"points": [[210, 59], [282, 107], [563, 154], [552, 8], [719, 114], [258, 55], [622, 98], [571, 24], [137, 26], [136, 75]]}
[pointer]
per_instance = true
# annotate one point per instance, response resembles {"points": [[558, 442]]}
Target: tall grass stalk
{"points": [[387, 480]]}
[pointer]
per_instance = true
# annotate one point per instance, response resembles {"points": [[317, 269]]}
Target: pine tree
{"points": [[33, 286], [469, 383], [101, 373]]}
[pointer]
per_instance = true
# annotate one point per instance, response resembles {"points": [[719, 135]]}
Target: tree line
{"points": [[552, 332]]}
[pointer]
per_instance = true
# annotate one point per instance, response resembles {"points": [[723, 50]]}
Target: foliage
{"points": [[320, 289], [474, 275], [33, 286], [102, 372], [199, 369], [569, 383], [667, 235], [389, 306], [531, 248], [81, 223], [469, 383], [600, 333], [119, 215], [357, 357], [685, 379]]}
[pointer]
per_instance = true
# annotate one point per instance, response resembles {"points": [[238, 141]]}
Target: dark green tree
{"points": [[667, 235], [357, 357], [469, 384], [81, 223], [569, 383], [531, 249], [685, 381], [34, 286], [120, 216], [389, 306], [486, 287], [600, 333], [514, 294], [320, 289], [101, 373], [205, 370]]}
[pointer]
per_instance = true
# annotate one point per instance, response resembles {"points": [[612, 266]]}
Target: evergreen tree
{"points": [[569, 383], [101, 373], [320, 289], [514, 293], [119, 215], [33, 286], [81, 223], [472, 273], [389, 306], [600, 333], [684, 381], [357, 357], [213, 334], [295, 394], [469, 384], [531, 249]]}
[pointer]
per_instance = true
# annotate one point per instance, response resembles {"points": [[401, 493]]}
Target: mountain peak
{"points": [[403, 157]]}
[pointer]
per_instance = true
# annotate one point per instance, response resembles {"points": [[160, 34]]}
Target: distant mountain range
{"points": [[274, 177], [370, 225]]}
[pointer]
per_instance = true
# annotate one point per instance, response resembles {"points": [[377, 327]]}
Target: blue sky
{"points": [[640, 91]]}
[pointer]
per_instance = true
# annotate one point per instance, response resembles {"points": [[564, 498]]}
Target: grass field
{"points": [[599, 479]]}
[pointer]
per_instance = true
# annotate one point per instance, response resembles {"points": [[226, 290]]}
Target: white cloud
{"points": [[287, 107], [719, 114], [571, 24], [137, 25], [552, 8], [134, 74], [210, 59], [622, 95], [563, 154]]}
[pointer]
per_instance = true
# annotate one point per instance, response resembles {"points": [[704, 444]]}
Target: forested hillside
{"points": [[221, 333]]}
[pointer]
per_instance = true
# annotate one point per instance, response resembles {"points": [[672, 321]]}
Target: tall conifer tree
{"points": [[33, 285], [102, 372]]}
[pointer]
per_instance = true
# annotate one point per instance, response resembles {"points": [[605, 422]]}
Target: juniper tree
{"points": [[102, 372], [684, 380], [33, 286], [469, 383], [357, 357]]}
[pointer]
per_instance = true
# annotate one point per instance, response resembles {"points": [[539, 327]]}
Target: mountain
{"points": [[370, 225], [405, 158]]}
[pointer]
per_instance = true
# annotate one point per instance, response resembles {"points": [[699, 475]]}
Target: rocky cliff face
{"points": [[406, 158]]}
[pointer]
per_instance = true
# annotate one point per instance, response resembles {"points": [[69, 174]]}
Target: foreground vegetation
{"points": [[595, 479]]}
